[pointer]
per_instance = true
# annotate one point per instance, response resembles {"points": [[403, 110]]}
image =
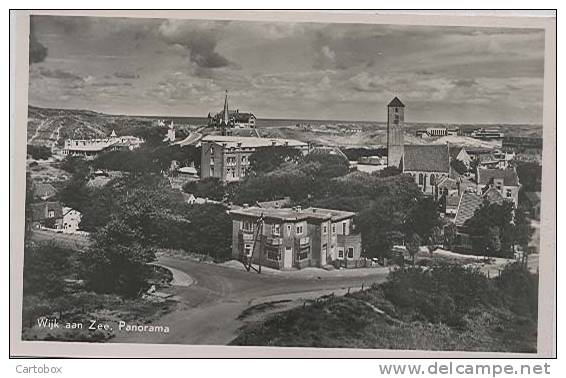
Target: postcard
{"points": [[282, 184]]}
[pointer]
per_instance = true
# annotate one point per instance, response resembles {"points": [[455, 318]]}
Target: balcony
{"points": [[304, 240]]}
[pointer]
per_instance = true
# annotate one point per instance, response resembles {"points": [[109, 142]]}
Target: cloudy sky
{"points": [[287, 70]]}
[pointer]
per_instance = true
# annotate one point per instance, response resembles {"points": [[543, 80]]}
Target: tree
{"points": [[46, 265], [492, 228], [459, 166], [435, 239], [450, 232], [423, 218], [413, 245], [530, 175], [117, 261], [38, 152], [267, 159], [389, 171], [210, 187]]}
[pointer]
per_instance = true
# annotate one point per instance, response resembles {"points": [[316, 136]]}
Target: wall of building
{"points": [[395, 138], [428, 185]]}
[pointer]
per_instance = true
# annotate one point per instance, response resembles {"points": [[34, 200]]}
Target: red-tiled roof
{"points": [[426, 158]]}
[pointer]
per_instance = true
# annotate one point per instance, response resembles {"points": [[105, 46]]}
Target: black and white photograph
{"points": [[232, 182]]}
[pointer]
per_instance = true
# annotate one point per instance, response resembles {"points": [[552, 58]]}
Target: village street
{"points": [[208, 309]]}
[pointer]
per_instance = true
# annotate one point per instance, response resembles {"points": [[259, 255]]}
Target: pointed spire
{"points": [[113, 135], [226, 115]]}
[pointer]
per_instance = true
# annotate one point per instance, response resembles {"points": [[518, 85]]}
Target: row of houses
{"points": [[90, 148]]}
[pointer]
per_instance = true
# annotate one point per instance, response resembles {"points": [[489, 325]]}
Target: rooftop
{"points": [[426, 158], [294, 214], [396, 103], [487, 175]]}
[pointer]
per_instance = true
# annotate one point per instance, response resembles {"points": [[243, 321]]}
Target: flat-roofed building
{"points": [[228, 157], [287, 238]]}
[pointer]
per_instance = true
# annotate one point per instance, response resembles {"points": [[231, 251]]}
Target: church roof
{"points": [[396, 103], [426, 158], [470, 202]]}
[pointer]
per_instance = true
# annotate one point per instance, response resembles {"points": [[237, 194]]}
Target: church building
{"points": [[428, 164]]}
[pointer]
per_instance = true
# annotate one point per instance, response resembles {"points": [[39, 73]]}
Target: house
{"points": [[71, 220], [226, 157], [231, 118], [327, 150], [497, 159], [436, 131], [47, 214], [90, 148], [287, 238], [467, 206], [44, 191], [454, 131], [460, 153], [505, 181], [487, 134]]}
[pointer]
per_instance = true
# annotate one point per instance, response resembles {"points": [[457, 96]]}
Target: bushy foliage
{"points": [[442, 294], [210, 187], [530, 175], [265, 160], [46, 266], [38, 152], [497, 228], [459, 166]]}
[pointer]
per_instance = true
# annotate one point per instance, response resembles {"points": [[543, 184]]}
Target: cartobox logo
{"points": [[34, 369]]}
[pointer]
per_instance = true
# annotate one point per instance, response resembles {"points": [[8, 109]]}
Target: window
{"points": [[396, 110], [289, 230], [244, 159], [247, 249], [51, 214], [344, 228], [276, 229], [299, 229], [421, 179], [243, 172], [432, 179], [303, 254], [273, 254], [247, 225], [333, 229], [508, 193], [340, 253], [324, 229], [231, 160], [350, 252]]}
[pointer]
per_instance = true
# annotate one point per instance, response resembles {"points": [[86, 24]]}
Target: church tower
{"points": [[395, 140], [224, 123]]}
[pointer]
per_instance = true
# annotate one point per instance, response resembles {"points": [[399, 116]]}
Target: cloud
{"points": [[60, 74], [37, 52], [466, 83], [199, 38], [126, 75]]}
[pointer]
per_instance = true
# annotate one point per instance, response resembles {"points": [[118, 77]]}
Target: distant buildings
{"points": [[231, 118], [522, 144], [90, 148], [436, 132], [487, 134], [287, 238], [227, 157], [51, 215]]}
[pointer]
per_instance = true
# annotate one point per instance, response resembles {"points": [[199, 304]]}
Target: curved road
{"points": [[208, 309]]}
